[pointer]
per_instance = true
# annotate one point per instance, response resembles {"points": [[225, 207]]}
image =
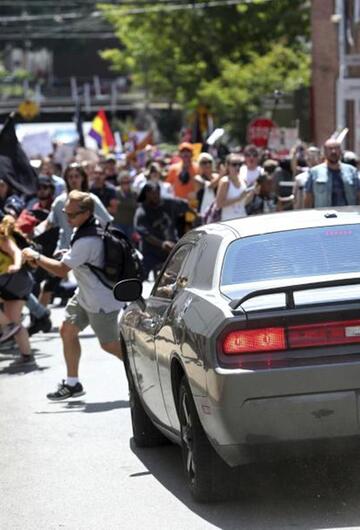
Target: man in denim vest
{"points": [[332, 183]]}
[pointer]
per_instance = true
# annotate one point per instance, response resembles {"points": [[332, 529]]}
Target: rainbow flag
{"points": [[101, 132]]}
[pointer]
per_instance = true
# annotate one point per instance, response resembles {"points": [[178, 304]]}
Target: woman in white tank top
{"points": [[232, 194]]}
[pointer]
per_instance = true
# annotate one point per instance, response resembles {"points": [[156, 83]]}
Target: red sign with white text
{"points": [[259, 131]]}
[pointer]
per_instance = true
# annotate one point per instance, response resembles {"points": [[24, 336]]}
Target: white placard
{"points": [[37, 144], [283, 138]]}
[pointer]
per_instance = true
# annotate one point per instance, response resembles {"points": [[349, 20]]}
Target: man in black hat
{"points": [[27, 222]]}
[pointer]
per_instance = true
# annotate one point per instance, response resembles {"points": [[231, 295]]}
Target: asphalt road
{"points": [[73, 465]]}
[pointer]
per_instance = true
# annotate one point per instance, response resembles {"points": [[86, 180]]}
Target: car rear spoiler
{"points": [[289, 290]]}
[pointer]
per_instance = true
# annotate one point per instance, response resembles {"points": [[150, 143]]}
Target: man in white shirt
{"points": [[250, 170], [313, 158], [93, 303]]}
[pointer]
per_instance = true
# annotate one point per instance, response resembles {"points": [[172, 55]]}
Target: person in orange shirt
{"points": [[181, 175]]}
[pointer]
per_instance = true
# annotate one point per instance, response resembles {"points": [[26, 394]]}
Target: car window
{"points": [[167, 286], [291, 254]]}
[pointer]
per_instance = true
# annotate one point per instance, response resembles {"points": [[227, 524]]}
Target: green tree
{"points": [[237, 93], [186, 56], [11, 84]]}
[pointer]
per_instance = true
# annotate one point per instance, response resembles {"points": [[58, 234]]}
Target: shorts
{"points": [[16, 286], [105, 325]]}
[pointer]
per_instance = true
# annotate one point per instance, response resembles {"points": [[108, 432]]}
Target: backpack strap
{"points": [[91, 227]]}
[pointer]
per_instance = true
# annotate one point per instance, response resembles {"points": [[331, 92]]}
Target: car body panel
{"points": [[281, 399]]}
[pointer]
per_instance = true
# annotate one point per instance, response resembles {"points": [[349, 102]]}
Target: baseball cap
{"points": [[186, 146], [44, 180], [14, 205]]}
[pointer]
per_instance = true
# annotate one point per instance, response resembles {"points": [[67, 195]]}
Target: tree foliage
{"points": [[227, 57], [237, 92]]}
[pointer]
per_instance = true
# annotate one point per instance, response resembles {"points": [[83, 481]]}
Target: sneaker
{"points": [[65, 391], [40, 324], [9, 331]]}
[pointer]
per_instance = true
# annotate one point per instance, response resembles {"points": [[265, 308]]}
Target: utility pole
{"points": [[339, 19]]}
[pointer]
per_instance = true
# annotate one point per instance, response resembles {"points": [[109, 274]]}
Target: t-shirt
{"points": [[250, 175], [92, 295], [156, 222], [337, 193], [182, 190], [126, 207], [106, 194], [59, 184], [5, 262]]}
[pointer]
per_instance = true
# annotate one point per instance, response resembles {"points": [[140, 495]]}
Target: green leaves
{"points": [[241, 86], [226, 57]]}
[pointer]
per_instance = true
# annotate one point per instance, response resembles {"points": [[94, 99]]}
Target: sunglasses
{"points": [[235, 164], [253, 155], [205, 163], [72, 215]]}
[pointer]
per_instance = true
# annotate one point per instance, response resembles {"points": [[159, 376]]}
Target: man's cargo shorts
{"points": [[104, 324]]}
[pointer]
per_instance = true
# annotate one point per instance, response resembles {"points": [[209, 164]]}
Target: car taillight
{"points": [[324, 334], [280, 338], [254, 340]]}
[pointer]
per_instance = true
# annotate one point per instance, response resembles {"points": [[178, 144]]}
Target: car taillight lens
{"points": [[254, 340], [280, 338], [324, 334]]}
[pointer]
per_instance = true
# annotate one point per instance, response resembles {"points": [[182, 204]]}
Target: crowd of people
{"points": [[154, 202]]}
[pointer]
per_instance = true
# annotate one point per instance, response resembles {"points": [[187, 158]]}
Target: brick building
{"points": [[336, 69]]}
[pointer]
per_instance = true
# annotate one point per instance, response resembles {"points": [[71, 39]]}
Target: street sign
{"points": [[259, 131], [28, 109]]}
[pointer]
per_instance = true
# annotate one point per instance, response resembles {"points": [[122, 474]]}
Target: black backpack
{"points": [[121, 259]]}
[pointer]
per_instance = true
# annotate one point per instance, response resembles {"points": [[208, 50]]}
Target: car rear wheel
{"points": [[145, 433], [206, 473]]}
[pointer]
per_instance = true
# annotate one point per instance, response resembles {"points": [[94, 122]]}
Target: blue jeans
{"points": [[36, 309]]}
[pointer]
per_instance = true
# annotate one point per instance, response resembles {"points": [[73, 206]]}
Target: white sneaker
{"points": [[9, 331]]}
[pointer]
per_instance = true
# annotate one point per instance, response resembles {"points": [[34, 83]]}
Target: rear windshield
{"points": [[292, 254]]}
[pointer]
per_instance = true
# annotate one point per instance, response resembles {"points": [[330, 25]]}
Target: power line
{"points": [[59, 31], [183, 7], [161, 5], [51, 35]]}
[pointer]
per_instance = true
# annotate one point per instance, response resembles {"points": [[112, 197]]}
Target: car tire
{"points": [[207, 474], [145, 434]]}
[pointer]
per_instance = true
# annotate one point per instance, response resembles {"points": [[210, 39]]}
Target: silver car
{"points": [[248, 346]]}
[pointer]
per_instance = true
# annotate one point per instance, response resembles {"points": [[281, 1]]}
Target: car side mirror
{"points": [[128, 290]]}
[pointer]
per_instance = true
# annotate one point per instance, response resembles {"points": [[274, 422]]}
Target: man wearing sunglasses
{"points": [[93, 304], [250, 170]]}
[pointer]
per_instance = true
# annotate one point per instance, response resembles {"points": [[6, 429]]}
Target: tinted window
{"points": [[296, 253], [166, 285]]}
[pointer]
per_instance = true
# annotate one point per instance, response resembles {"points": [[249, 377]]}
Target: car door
{"points": [[166, 292], [149, 324]]}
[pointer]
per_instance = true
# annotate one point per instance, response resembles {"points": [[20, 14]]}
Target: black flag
{"points": [[79, 124], [15, 167]]}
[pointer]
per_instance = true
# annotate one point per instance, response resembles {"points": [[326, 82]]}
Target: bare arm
{"points": [[50, 265], [42, 227], [215, 181], [308, 200]]}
